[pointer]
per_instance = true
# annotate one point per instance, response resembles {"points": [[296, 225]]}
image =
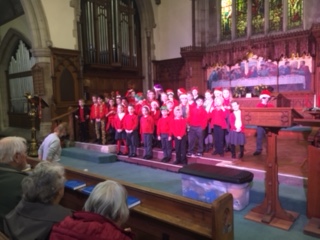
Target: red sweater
{"points": [[198, 117], [218, 117], [155, 115], [178, 127], [163, 125], [87, 225], [268, 105], [98, 111], [94, 111], [146, 124], [118, 122], [130, 122]]}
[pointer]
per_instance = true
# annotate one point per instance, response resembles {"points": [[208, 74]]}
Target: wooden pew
{"points": [[163, 215]]}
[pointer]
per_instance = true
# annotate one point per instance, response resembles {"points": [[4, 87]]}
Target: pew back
{"points": [[163, 215]]}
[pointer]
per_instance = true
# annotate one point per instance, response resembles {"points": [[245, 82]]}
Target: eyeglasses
{"points": [[264, 98]]}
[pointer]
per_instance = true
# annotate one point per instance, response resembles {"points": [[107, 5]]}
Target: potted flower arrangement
{"points": [[239, 91], [257, 89]]}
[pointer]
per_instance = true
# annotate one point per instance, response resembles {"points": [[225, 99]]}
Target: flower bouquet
{"points": [[257, 89], [239, 91]]}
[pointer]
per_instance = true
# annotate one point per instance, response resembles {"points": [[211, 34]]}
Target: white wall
{"points": [[173, 28], [19, 24], [60, 17]]}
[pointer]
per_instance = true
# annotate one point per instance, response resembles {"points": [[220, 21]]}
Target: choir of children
{"points": [[190, 125]]}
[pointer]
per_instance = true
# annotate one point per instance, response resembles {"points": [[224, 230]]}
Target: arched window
{"points": [[110, 32], [258, 17]]}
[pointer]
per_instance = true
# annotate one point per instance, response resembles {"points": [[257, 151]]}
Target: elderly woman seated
{"points": [[13, 162], [38, 210], [104, 212]]}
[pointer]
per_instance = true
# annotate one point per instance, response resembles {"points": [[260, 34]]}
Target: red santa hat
{"points": [[183, 93], [194, 88], [265, 94], [118, 94], [169, 91], [155, 103], [146, 107], [218, 90]]}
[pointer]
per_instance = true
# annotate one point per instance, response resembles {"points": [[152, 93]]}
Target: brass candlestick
{"points": [[33, 148]]}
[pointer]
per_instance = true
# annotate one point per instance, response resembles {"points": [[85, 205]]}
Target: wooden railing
{"points": [[66, 117], [163, 215]]}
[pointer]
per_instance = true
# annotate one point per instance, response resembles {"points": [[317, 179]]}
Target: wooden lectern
{"points": [[273, 119]]}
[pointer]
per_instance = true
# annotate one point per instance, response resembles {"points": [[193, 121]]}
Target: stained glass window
{"points": [[241, 18], [275, 15], [295, 13], [226, 18], [257, 16]]}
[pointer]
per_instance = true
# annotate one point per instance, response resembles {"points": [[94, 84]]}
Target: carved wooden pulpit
{"points": [[270, 211]]}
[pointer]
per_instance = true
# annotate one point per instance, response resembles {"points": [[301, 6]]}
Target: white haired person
{"points": [[50, 149], [13, 160], [39, 207], [104, 213]]}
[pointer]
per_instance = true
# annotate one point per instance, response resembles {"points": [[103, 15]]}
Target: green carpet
{"points": [[291, 197]]}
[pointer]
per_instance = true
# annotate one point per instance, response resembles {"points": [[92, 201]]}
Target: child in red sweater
{"points": [[146, 130], [131, 127], [120, 134], [179, 132], [98, 114], [197, 121], [219, 124], [164, 135]]}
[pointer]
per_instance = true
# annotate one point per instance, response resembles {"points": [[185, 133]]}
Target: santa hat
{"points": [[265, 94], [146, 107], [155, 102], [181, 91], [170, 91], [194, 88], [118, 94], [217, 90], [157, 87]]}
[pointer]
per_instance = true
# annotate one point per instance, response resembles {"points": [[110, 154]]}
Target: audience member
{"points": [[38, 210], [50, 149], [104, 213], [13, 160]]}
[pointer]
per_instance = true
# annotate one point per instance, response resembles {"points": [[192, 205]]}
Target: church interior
{"points": [[57, 52]]}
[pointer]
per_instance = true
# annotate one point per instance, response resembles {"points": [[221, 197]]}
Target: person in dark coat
{"points": [[82, 116], [13, 162], [39, 208]]}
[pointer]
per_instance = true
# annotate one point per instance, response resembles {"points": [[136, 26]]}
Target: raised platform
{"points": [[291, 155], [88, 155]]}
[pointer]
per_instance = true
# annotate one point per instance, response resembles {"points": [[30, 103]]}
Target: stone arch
{"points": [[7, 47], [37, 22]]}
